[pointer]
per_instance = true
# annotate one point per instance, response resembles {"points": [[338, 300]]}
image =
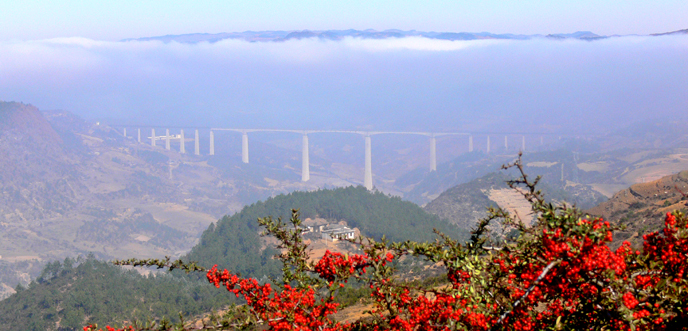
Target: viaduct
{"points": [[305, 163]]}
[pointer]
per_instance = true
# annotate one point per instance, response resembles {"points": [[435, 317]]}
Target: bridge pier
{"points": [[212, 144], [182, 146], [488, 144], [368, 176], [196, 144], [506, 144], [305, 162], [139, 134], [167, 139], [244, 147], [523, 143], [153, 137], [433, 153], [124, 132], [470, 143]]}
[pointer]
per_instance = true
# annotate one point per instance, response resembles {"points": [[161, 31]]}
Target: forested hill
{"points": [[234, 241]]}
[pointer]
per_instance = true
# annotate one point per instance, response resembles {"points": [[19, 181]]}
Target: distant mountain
{"points": [[684, 31], [276, 36], [583, 35]]}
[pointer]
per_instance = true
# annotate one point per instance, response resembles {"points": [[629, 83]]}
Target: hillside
{"points": [[37, 179], [71, 187], [553, 165], [641, 207], [465, 204]]}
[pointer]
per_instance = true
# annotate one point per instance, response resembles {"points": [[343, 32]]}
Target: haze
{"points": [[398, 83]]}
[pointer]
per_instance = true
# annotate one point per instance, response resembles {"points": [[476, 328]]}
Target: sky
{"points": [[68, 55], [115, 20]]}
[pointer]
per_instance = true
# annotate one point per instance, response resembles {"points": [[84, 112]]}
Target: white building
{"points": [[337, 232]]}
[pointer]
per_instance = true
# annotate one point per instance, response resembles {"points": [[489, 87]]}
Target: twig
{"points": [[530, 289]]}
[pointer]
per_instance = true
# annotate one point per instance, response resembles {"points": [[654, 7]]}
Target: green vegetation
{"points": [[86, 290]]}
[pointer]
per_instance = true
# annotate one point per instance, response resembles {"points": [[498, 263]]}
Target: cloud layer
{"points": [[397, 83]]}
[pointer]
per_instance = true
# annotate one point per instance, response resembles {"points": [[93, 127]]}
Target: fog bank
{"points": [[390, 84]]}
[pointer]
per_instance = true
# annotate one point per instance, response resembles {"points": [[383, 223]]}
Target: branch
{"points": [[160, 264], [525, 295]]}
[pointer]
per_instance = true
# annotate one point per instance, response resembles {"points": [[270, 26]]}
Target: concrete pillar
{"points": [[305, 162], [212, 143], [197, 145], [368, 176], [153, 137], [167, 139], [562, 171], [124, 132], [470, 144], [488, 144], [541, 141], [506, 144], [523, 143], [244, 147], [433, 154], [182, 146], [139, 134]]}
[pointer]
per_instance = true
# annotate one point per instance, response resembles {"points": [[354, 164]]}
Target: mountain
{"points": [[278, 36], [684, 31], [70, 187], [641, 207], [583, 35]]}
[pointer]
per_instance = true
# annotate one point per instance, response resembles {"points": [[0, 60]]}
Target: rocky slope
{"points": [[37, 179], [465, 204], [641, 207]]}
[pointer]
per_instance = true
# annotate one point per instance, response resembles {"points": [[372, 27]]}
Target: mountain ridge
{"points": [[284, 35]]}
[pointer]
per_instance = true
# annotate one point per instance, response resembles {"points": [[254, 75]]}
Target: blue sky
{"points": [[114, 20]]}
